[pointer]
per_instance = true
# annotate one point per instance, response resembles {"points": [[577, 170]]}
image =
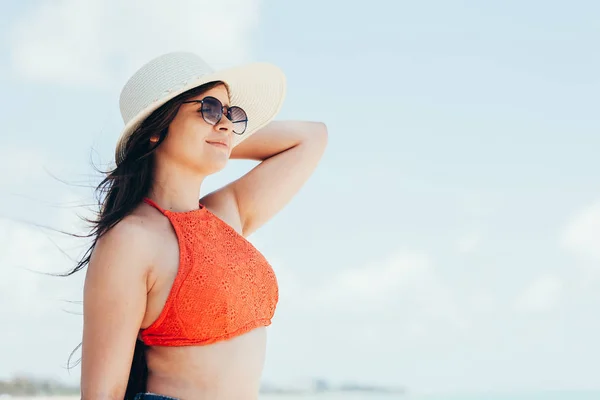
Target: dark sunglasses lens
{"points": [[239, 119], [211, 110]]}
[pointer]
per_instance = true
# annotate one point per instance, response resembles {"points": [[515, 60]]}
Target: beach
{"points": [[562, 395]]}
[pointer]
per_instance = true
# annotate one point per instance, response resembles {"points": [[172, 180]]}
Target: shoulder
{"points": [[131, 233], [222, 203], [128, 247]]}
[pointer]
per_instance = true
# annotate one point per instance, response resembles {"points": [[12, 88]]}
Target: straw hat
{"points": [[258, 88]]}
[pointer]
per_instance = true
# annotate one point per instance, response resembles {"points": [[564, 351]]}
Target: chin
{"points": [[213, 166]]}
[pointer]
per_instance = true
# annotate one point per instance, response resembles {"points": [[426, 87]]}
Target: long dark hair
{"points": [[122, 189]]}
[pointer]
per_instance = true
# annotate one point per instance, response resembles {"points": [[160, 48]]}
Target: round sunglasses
{"points": [[212, 112]]}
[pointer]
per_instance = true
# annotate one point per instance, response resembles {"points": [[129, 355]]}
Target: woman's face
{"points": [[193, 143]]}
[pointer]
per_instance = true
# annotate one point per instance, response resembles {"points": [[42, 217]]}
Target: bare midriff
{"points": [[227, 370]]}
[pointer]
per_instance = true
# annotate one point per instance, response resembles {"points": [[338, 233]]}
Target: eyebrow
{"points": [[226, 105]]}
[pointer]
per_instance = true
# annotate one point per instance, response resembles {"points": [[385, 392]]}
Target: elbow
{"points": [[315, 139], [323, 135], [319, 134], [322, 130]]}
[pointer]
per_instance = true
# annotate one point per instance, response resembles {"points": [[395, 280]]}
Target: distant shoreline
{"points": [[28, 388]]}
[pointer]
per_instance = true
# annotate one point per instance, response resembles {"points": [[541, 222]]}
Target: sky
{"points": [[449, 241]]}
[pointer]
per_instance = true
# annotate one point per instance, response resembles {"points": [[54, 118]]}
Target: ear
{"points": [[154, 139]]}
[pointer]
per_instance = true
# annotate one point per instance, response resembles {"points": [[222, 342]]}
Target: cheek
{"points": [[188, 136]]}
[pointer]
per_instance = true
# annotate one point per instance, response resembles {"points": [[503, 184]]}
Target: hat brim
{"points": [[258, 88]]}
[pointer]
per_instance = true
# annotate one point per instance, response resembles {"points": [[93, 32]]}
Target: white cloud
{"points": [[27, 254], [543, 294], [582, 234], [482, 301], [377, 281], [468, 243], [36, 308], [98, 43], [21, 164], [36, 186], [404, 287]]}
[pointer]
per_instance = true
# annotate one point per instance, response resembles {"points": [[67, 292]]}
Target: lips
{"points": [[220, 143]]}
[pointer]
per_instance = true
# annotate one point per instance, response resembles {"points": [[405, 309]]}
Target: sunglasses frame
{"points": [[227, 114]]}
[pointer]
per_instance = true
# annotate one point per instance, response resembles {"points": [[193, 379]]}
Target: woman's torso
{"points": [[229, 369]]}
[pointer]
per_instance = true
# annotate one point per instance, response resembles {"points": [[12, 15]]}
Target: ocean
{"points": [[516, 396]]}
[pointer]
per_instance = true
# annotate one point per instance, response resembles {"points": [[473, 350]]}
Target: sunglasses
{"points": [[212, 112]]}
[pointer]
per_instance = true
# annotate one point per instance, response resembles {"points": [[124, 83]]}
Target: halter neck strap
{"points": [[153, 204]]}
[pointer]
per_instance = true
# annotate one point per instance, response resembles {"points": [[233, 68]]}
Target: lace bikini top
{"points": [[224, 286]]}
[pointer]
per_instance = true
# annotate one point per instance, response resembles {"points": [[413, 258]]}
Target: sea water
{"points": [[372, 396]]}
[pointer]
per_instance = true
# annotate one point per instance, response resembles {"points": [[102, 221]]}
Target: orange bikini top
{"points": [[224, 286]]}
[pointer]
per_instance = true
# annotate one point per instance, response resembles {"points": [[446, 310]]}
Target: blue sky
{"points": [[449, 240]]}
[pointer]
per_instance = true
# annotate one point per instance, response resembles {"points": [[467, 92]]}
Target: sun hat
{"points": [[259, 88]]}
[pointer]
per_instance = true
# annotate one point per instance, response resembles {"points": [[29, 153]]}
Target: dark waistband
{"points": [[152, 396]]}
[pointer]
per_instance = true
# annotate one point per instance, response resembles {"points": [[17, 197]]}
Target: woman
{"points": [[176, 300]]}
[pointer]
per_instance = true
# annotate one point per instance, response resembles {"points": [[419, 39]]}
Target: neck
{"points": [[176, 188]]}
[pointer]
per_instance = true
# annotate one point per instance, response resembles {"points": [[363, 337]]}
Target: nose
{"points": [[224, 125]]}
